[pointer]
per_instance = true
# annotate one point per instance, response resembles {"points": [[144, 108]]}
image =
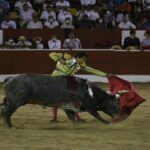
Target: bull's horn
{"points": [[122, 92], [109, 92], [117, 96]]}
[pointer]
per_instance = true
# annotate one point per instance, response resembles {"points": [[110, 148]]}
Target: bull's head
{"points": [[109, 102], [112, 103]]}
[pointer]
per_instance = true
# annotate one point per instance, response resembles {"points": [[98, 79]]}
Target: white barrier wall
{"points": [[93, 78], [1, 37]]}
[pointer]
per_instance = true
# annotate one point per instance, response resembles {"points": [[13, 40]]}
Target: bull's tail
{"points": [[2, 107]]}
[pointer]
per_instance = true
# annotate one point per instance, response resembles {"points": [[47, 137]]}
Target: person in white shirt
{"points": [[67, 24], [72, 42], [120, 16], [94, 15], [19, 4], [126, 24], [7, 23], [26, 13], [63, 15], [51, 23], [87, 2], [35, 23], [48, 12], [54, 43]]}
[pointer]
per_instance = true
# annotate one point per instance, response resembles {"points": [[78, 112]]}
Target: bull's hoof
{"points": [[106, 122], [54, 121], [81, 121], [120, 118], [13, 128]]}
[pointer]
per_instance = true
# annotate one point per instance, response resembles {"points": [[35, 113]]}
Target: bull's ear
{"points": [[90, 91]]}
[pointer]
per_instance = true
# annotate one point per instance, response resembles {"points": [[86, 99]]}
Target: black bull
{"points": [[70, 93]]}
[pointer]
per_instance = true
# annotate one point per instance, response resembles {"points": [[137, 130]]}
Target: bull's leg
{"points": [[70, 114], [9, 110], [97, 116]]}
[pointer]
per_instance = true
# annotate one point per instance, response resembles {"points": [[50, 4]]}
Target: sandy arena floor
{"points": [[36, 132]]}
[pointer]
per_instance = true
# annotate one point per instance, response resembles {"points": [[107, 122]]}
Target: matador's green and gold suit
{"points": [[71, 66]]}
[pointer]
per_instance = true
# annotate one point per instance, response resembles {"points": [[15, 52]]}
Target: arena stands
{"points": [[74, 14]]}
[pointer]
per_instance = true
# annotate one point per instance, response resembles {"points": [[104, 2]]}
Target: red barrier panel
{"points": [[12, 62]]}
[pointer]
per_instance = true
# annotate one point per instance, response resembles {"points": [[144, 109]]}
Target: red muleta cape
{"points": [[128, 101]]}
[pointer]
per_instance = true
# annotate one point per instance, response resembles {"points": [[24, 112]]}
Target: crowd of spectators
{"points": [[72, 42], [70, 14], [131, 42]]}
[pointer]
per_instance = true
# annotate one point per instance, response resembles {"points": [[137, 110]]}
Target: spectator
{"points": [[51, 23], [80, 13], [72, 42], [145, 23], [120, 16], [5, 5], [87, 10], [146, 4], [135, 7], [10, 43], [109, 4], [146, 41], [94, 16], [87, 2], [26, 13], [37, 43], [48, 3], [23, 42], [14, 15], [99, 23], [125, 7], [67, 24], [132, 42], [54, 43], [7, 23], [48, 12], [85, 23], [38, 4], [35, 23], [61, 4], [63, 15], [109, 19], [126, 24], [19, 4]]}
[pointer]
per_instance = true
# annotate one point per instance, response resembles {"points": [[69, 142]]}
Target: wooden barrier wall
{"points": [[13, 62]]}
